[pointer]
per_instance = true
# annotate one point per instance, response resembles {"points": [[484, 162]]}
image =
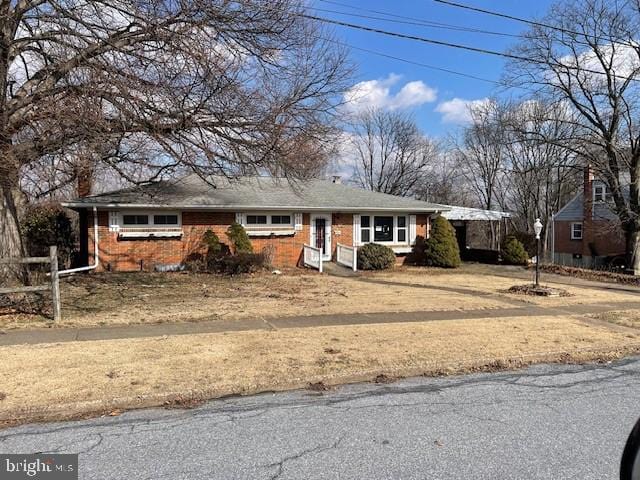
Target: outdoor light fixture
{"points": [[537, 227]]}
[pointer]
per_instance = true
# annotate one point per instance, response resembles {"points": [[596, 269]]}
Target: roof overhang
{"points": [[138, 206]]}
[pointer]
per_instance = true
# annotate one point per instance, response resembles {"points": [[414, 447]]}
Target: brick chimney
{"points": [[84, 179], [587, 209]]}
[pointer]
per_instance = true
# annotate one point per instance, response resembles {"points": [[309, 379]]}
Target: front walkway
{"points": [[57, 335]]}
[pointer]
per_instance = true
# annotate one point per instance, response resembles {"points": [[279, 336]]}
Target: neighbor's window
{"points": [[402, 229], [256, 219], [165, 219], [135, 219], [365, 229], [576, 231], [383, 229], [599, 193]]}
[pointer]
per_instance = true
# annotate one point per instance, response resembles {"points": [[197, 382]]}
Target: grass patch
{"points": [[626, 318], [83, 378]]}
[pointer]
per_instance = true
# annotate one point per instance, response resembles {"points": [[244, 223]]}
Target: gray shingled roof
{"points": [[255, 193], [574, 210]]}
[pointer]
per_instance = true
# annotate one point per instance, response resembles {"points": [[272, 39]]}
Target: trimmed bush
{"points": [[373, 256], [237, 264], [212, 243], [239, 239], [513, 252], [441, 248], [46, 225]]}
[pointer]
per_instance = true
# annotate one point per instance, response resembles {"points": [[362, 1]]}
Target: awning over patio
{"points": [[470, 214]]}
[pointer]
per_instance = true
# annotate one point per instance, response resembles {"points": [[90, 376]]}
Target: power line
{"points": [[419, 64], [457, 46], [523, 20], [409, 20]]}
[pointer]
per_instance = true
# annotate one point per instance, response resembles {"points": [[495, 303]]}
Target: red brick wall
{"points": [[606, 237], [423, 225], [135, 254]]}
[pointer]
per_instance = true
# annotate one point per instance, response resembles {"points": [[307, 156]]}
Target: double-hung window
{"points": [[365, 229], [599, 193], [576, 231], [401, 222]]}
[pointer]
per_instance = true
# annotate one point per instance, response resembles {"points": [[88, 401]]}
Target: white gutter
{"points": [[95, 249], [142, 206]]}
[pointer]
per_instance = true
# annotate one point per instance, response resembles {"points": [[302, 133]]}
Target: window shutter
{"points": [[114, 224], [297, 220], [412, 229], [356, 229], [240, 218]]}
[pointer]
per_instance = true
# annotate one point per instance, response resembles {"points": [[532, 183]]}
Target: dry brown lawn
{"points": [[109, 299], [64, 380], [626, 318], [496, 285]]}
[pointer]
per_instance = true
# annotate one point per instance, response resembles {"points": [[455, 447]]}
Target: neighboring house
{"points": [[586, 231], [158, 226]]}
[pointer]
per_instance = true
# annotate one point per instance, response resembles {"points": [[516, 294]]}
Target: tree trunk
{"points": [[10, 237], [632, 237]]}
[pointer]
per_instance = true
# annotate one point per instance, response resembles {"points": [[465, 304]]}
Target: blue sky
{"points": [[434, 96]]}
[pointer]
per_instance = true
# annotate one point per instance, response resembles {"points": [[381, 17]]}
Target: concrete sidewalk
{"points": [[56, 335]]}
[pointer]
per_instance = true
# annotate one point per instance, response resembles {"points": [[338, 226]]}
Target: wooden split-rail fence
{"points": [[53, 285]]}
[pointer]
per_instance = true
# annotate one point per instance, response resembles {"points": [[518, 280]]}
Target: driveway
{"points": [[546, 422]]}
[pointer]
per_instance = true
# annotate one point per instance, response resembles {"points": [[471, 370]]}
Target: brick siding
{"points": [[119, 254], [605, 239]]}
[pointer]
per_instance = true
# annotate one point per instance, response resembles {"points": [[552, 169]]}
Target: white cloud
{"points": [[458, 110], [377, 94]]}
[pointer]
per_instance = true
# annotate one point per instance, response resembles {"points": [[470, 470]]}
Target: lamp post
{"points": [[537, 227]]}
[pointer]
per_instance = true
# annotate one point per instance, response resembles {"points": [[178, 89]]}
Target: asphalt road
{"points": [[547, 422]]}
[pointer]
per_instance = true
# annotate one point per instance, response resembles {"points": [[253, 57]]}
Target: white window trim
{"points": [[600, 189], [573, 236], [150, 215], [371, 228]]}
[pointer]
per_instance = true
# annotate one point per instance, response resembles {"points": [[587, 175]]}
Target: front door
{"points": [[321, 234]]}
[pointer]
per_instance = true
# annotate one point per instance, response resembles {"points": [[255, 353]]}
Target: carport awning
{"points": [[466, 213]]}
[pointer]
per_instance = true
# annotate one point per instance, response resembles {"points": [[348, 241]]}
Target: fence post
{"points": [[55, 283]]}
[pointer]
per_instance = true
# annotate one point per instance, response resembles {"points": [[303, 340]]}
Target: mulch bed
{"points": [[540, 291], [595, 275]]}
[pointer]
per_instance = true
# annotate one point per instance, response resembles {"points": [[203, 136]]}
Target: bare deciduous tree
{"points": [[585, 53], [393, 156], [212, 86], [480, 152], [541, 174]]}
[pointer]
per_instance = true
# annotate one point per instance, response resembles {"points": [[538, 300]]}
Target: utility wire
{"points": [[419, 64], [409, 20], [458, 46], [524, 20]]}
